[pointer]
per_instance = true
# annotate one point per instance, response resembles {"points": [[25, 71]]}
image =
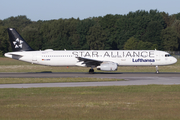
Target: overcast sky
{"points": [[55, 9]]}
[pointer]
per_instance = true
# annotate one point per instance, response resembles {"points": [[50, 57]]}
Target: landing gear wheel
{"points": [[91, 71]]}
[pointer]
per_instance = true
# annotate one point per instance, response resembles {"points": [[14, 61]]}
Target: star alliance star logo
{"points": [[18, 43]]}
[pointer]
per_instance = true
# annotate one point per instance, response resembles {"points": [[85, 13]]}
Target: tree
{"points": [[176, 26], [178, 16], [1, 22], [131, 44], [96, 38], [146, 46], [17, 22], [135, 44], [110, 32], [4, 46], [153, 32], [82, 31], [169, 20], [169, 38]]}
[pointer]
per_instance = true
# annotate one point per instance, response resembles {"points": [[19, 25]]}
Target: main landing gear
{"points": [[157, 71], [91, 71]]}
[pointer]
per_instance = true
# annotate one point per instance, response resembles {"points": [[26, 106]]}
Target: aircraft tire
{"points": [[91, 71]]}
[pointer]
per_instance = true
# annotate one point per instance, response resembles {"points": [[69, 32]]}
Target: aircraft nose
{"points": [[174, 60]]}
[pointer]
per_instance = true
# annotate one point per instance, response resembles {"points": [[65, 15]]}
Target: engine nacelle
{"points": [[108, 66]]}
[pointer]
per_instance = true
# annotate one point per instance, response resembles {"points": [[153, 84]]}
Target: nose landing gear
{"points": [[157, 71]]}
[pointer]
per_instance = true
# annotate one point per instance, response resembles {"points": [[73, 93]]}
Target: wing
{"points": [[89, 62]]}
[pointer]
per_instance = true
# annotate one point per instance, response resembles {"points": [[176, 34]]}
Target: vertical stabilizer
{"points": [[17, 42]]}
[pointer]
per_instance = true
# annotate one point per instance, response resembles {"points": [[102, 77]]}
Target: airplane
{"points": [[105, 60]]}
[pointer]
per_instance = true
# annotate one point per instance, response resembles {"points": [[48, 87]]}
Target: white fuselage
{"points": [[69, 57]]}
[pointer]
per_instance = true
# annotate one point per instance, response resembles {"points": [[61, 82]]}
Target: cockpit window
{"points": [[167, 55]]}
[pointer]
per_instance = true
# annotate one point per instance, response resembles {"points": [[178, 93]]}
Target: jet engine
{"points": [[107, 66]]}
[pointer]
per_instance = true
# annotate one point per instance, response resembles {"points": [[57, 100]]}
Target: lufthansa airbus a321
{"points": [[105, 60]]}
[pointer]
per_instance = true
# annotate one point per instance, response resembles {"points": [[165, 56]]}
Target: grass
{"points": [[11, 65], [157, 102], [53, 80]]}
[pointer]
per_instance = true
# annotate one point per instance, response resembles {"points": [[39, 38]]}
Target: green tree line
{"points": [[134, 31]]}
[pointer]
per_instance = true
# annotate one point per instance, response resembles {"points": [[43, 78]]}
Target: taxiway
{"points": [[84, 74], [129, 79]]}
